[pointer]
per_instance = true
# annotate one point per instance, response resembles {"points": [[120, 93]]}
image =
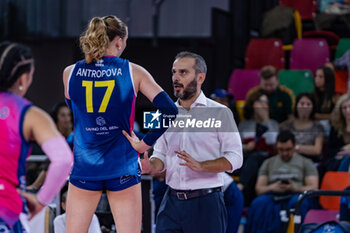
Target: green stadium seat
{"points": [[343, 46], [297, 80]]}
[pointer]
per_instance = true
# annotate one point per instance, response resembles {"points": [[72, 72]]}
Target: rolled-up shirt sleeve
{"points": [[230, 140], [231, 149], [160, 149]]}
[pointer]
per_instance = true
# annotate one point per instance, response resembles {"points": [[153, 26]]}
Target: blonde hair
{"points": [[100, 32], [338, 119]]}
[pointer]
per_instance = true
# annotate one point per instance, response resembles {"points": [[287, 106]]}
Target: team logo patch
{"points": [[151, 120], [4, 113], [100, 121]]}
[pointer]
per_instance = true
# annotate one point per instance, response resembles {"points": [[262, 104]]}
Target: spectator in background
{"points": [[339, 138], [281, 178], [309, 134], [223, 97], [280, 97], [63, 118], [258, 133], [324, 93]]}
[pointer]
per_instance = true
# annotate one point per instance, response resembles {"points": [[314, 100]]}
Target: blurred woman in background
{"points": [[309, 134]]}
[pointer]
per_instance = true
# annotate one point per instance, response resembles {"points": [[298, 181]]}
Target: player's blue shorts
{"points": [[116, 184], [16, 228]]}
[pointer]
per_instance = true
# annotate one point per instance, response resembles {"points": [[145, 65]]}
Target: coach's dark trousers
{"points": [[205, 214]]}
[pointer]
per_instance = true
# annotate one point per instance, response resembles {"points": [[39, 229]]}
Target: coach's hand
{"points": [[189, 161], [139, 146]]}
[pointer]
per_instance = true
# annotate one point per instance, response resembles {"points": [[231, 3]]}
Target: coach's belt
{"points": [[189, 194]]}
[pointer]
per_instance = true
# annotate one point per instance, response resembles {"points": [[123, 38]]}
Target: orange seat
{"points": [[333, 181], [341, 81]]}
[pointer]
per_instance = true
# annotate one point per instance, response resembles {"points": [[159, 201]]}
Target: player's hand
{"points": [[190, 162], [139, 146], [145, 164], [33, 203]]}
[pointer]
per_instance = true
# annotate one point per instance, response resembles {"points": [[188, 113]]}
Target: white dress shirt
{"points": [[201, 145]]}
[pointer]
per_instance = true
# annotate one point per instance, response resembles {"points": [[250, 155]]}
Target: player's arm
{"points": [[66, 73], [145, 83], [38, 126]]}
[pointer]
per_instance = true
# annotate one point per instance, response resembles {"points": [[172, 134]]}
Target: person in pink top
{"points": [[20, 124]]}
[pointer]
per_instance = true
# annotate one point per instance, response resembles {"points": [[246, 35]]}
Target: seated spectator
{"points": [[223, 97], [258, 133], [281, 178], [63, 118], [324, 95], [309, 134], [339, 138], [59, 223], [280, 97]]}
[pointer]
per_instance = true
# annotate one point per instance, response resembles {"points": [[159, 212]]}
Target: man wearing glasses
{"points": [[280, 180]]}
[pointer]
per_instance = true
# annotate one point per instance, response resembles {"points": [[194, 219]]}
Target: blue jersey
{"points": [[103, 103]]}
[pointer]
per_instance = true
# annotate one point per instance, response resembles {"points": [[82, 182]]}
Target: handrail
{"points": [[314, 193]]}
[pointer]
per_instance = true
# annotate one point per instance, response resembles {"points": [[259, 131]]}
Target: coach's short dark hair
{"points": [[200, 65]]}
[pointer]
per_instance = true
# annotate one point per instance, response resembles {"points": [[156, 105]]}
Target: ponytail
{"points": [[95, 41], [100, 32]]}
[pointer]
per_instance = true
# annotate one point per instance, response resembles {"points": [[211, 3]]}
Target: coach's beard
{"points": [[189, 91]]}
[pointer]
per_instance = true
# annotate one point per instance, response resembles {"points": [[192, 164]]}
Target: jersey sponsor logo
{"points": [[4, 112], [151, 120]]}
